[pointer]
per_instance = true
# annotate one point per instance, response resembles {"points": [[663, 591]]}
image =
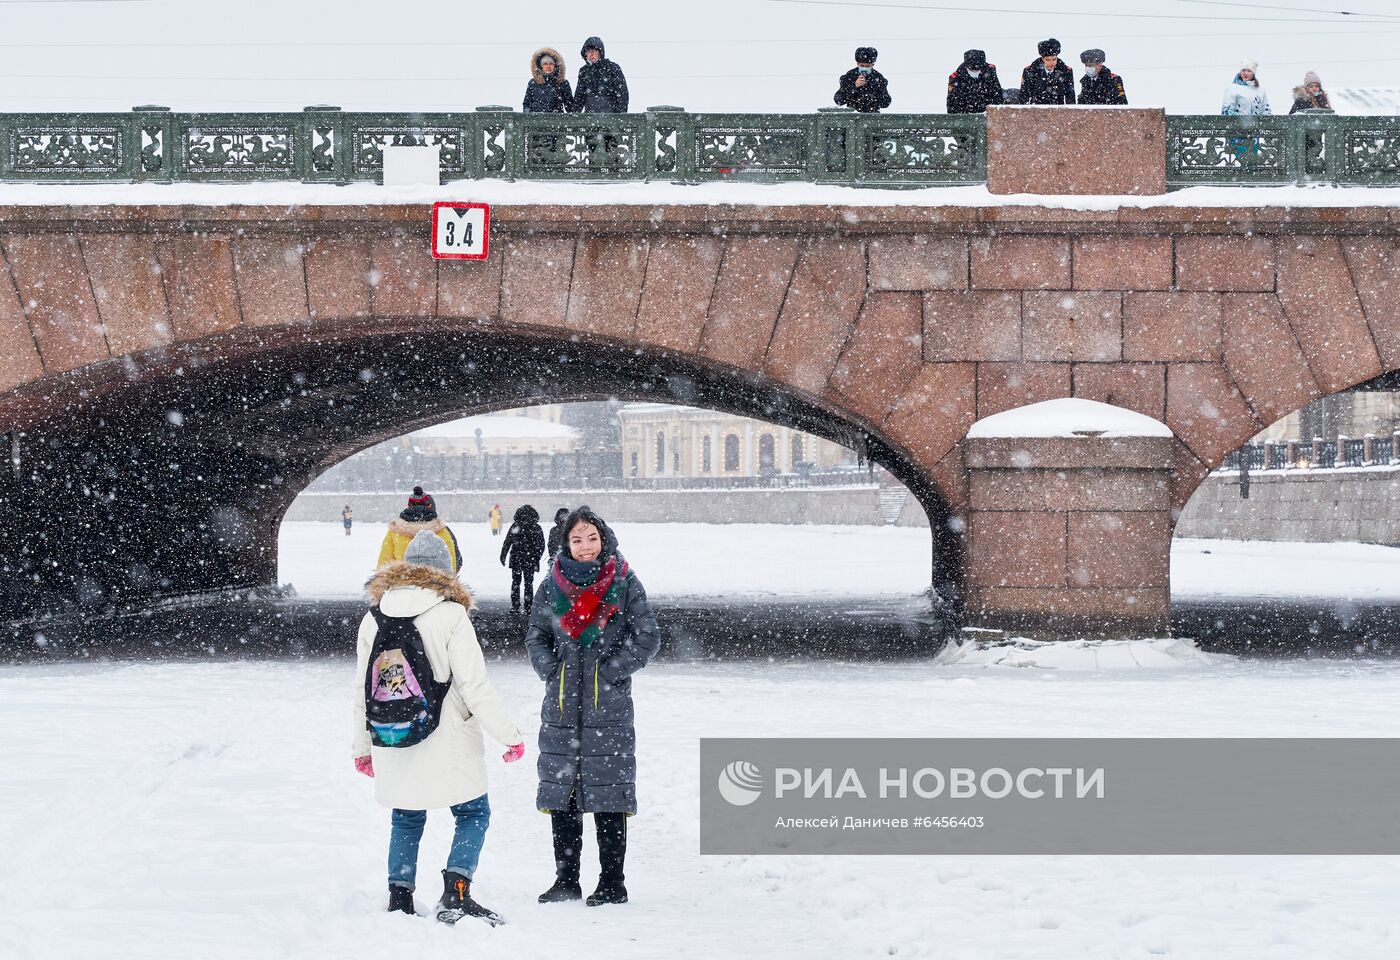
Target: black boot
{"points": [[457, 901], [568, 838], [400, 899], [612, 853]]}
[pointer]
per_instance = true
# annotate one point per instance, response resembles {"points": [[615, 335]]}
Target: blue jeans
{"points": [[473, 817]]}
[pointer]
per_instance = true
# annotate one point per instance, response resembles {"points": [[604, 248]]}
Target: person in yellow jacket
{"points": [[495, 517], [420, 514]]}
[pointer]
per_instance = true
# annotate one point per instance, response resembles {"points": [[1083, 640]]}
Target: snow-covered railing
{"points": [[836, 146], [1310, 146], [325, 144], [1315, 454]]}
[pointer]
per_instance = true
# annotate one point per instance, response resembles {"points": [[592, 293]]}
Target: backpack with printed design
{"points": [[403, 702]]}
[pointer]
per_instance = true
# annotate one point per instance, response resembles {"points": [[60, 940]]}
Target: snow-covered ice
{"points": [[716, 563], [209, 810]]}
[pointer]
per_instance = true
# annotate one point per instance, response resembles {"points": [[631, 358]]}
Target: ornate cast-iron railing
{"points": [[324, 144]]}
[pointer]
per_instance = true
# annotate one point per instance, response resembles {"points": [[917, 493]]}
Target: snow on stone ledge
{"points": [[1069, 417], [1154, 654]]}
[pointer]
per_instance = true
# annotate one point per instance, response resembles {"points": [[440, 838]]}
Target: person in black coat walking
{"points": [[556, 532], [591, 630], [602, 88], [548, 89], [974, 86], [524, 546], [1047, 80], [1100, 85], [864, 88]]}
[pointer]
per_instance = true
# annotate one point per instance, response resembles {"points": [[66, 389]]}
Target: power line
{"points": [[1274, 6], [1058, 13]]}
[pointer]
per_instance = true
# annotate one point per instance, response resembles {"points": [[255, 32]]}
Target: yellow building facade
{"points": [[661, 440]]}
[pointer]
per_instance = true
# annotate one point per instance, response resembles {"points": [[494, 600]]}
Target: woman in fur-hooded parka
{"points": [[547, 92], [449, 767]]}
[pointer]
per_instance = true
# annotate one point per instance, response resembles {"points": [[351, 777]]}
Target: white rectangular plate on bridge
{"points": [[461, 231]]}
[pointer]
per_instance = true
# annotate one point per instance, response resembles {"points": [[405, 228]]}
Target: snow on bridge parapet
{"points": [[1069, 526], [1069, 417]]}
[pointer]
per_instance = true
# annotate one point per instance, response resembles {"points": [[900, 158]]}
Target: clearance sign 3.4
{"points": [[461, 231]]}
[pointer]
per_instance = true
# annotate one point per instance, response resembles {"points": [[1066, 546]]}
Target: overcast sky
{"points": [[716, 55]]}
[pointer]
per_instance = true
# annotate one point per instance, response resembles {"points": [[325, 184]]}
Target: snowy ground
{"points": [[758, 561], [209, 810]]}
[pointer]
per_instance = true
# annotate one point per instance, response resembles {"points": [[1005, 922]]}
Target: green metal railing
{"points": [[1307, 147], [324, 144]]}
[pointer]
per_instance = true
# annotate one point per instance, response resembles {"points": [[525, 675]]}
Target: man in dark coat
{"points": [[602, 88], [556, 532], [1047, 80], [591, 630], [863, 88], [974, 86], [524, 546], [1100, 85]]}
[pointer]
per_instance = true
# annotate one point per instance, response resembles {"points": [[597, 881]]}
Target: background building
{"points": [[661, 440]]}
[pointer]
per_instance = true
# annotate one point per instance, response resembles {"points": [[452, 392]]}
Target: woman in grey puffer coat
{"points": [[591, 628]]}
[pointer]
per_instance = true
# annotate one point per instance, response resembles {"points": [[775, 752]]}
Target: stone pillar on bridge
{"points": [[1070, 520]]}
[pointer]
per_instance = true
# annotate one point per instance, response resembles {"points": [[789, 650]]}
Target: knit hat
{"points": [[420, 509], [1092, 56], [420, 499], [1311, 77], [866, 54], [975, 59], [429, 550], [1049, 48], [1250, 65]]}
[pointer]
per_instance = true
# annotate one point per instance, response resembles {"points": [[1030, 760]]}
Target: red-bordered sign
{"points": [[461, 231]]}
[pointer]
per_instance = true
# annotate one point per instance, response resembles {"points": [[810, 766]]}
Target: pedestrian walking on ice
{"points": [[422, 701], [590, 631], [347, 518], [494, 517], [420, 514], [523, 548], [556, 532]]}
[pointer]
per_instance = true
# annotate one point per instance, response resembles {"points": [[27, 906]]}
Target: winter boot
{"points": [[568, 839], [457, 901], [612, 853], [400, 899]]}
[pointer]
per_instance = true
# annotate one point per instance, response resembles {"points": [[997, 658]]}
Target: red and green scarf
{"points": [[584, 611]]}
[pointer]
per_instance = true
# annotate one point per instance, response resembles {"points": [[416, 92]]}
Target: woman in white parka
{"points": [[447, 768], [1244, 97]]}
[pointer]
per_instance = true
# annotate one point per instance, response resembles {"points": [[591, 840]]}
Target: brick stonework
{"points": [[907, 323]]}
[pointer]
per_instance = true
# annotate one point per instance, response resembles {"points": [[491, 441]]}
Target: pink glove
{"points": [[364, 765], [514, 753]]}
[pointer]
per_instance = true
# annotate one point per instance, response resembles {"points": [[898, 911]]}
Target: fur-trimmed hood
{"points": [[538, 74], [399, 575], [410, 529]]}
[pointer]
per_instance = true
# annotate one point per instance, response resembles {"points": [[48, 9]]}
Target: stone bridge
{"points": [[171, 377]]}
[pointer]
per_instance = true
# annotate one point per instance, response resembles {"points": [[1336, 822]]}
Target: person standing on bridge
{"points": [[1048, 80], [974, 86], [1244, 97], [547, 91], [420, 514], [494, 518], [591, 629], [1310, 96], [863, 88], [1100, 85], [602, 87], [523, 547], [417, 652]]}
